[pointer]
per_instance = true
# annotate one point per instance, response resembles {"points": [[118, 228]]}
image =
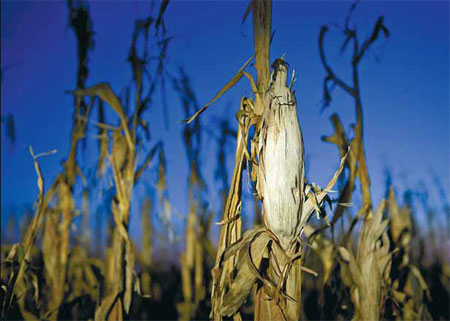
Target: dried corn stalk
{"points": [[279, 241], [81, 276], [119, 268], [231, 222], [56, 245], [194, 260], [286, 208], [59, 266], [221, 173], [408, 287], [357, 160], [370, 268], [23, 251], [147, 246], [276, 153], [325, 250], [123, 159]]}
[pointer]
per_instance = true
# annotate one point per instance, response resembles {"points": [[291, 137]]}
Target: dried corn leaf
{"points": [[370, 268], [105, 93], [129, 269], [308, 207], [28, 241], [400, 223], [324, 249], [147, 161], [105, 309], [254, 243], [120, 150], [227, 86], [231, 230]]}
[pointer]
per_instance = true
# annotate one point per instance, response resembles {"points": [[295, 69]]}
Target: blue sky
{"points": [[405, 95]]}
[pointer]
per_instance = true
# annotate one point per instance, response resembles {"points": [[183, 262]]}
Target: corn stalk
{"points": [[370, 268], [368, 273], [56, 270], [407, 285], [356, 162], [269, 256], [23, 252], [147, 246], [119, 267], [195, 259], [56, 239]]}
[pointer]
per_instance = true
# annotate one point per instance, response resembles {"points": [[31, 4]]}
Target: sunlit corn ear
{"points": [[281, 170]]}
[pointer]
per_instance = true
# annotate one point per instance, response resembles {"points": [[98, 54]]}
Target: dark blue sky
{"points": [[405, 94]]}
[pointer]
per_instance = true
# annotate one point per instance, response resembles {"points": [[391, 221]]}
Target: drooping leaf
{"points": [[255, 243], [227, 86]]}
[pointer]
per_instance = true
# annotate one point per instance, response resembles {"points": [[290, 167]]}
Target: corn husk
{"points": [[281, 167]]}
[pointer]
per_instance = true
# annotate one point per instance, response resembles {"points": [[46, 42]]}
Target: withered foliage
{"points": [[361, 264], [196, 260], [356, 162], [69, 272], [275, 148]]}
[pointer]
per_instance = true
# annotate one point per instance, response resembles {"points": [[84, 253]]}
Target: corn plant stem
{"points": [[29, 239], [262, 23], [230, 231], [357, 143]]}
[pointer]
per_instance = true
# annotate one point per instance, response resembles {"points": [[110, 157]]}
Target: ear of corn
{"points": [[281, 160]]}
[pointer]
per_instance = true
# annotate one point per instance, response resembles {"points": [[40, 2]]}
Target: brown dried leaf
{"points": [[227, 86], [345, 254], [230, 231], [129, 269], [369, 269], [104, 92], [308, 206], [245, 279]]}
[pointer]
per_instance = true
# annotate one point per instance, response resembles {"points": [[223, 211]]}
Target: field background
{"points": [[405, 92]]}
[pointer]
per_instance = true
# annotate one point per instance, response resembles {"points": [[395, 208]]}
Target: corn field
{"points": [[278, 246]]}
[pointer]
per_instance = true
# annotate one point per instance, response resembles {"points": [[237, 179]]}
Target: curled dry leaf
{"points": [[409, 288], [369, 270], [104, 92], [255, 243]]}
